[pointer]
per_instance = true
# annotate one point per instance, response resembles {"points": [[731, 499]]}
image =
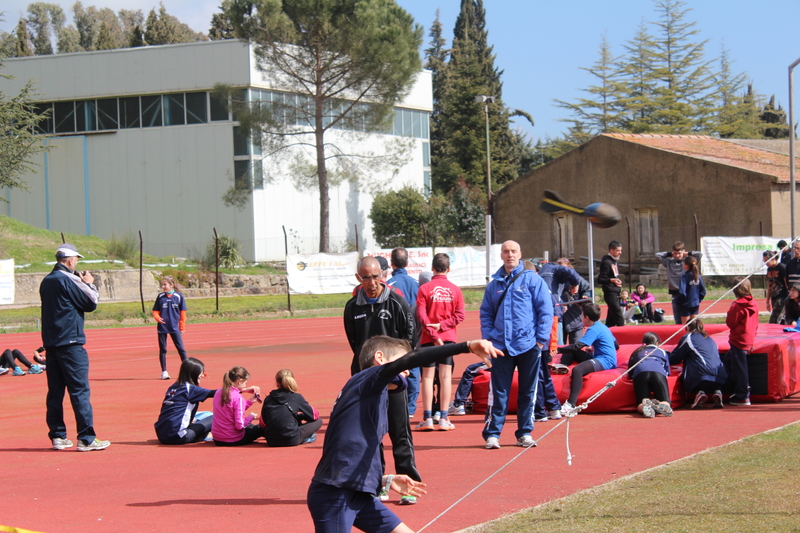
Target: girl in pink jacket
{"points": [[232, 425]]}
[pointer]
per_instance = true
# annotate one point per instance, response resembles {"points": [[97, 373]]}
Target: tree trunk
{"points": [[322, 171]]}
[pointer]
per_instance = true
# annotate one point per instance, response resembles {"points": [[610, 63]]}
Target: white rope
{"points": [[576, 409]]}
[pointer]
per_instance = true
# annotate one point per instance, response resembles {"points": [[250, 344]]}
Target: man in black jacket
{"points": [[66, 295], [608, 278], [377, 310]]}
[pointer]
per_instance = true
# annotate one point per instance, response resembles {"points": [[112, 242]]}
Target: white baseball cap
{"points": [[67, 250]]}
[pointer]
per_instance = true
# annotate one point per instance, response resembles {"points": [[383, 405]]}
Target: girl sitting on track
{"points": [[703, 371], [286, 417], [8, 363], [650, 376], [176, 424], [170, 313], [232, 425]]}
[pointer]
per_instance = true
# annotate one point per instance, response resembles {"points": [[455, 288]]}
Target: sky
{"points": [[541, 45]]}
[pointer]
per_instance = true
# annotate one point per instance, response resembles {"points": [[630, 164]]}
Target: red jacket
{"points": [[440, 302], [742, 320]]}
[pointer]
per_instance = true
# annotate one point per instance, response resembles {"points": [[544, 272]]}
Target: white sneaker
{"points": [[95, 445], [555, 414], [165, 375], [566, 409], [526, 441], [456, 411], [492, 443]]}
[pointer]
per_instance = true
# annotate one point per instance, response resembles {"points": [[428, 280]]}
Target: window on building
{"points": [[218, 110], [196, 108], [151, 112], [64, 117], [86, 115], [563, 245], [426, 154], [241, 174], [129, 113], [107, 114], [258, 175], [241, 144], [174, 110], [426, 182], [45, 125], [646, 221]]}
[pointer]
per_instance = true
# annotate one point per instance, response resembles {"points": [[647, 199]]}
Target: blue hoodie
{"points": [[525, 316]]}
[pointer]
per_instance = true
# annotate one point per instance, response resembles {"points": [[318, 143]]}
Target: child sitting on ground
{"points": [[176, 424], [349, 475], [8, 363], [231, 425], [286, 417], [596, 351], [650, 376]]}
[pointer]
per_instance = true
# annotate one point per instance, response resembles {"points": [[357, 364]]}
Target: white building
{"points": [[138, 144]]}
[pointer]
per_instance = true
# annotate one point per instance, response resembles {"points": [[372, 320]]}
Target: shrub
{"points": [[229, 255], [124, 248]]}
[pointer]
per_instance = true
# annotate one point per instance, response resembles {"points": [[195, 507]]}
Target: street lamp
{"points": [[791, 146], [486, 100]]}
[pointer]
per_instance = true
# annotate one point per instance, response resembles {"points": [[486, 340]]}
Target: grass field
{"points": [[747, 486]]}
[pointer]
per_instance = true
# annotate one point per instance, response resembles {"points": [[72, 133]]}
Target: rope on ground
{"points": [[578, 408]]}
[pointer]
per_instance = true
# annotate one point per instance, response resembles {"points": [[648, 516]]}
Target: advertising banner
{"points": [[735, 256], [419, 259], [321, 273], [6, 281], [468, 264]]}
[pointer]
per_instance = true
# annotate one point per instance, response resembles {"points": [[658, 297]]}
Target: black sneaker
{"points": [[716, 399], [700, 400]]}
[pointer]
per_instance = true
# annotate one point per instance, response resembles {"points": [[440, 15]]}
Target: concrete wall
{"points": [[727, 200], [113, 286]]}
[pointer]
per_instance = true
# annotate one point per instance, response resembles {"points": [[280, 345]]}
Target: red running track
{"points": [[139, 485]]}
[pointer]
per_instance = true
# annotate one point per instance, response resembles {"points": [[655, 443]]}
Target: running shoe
{"points": [[662, 408], [733, 401], [558, 369], [425, 425], [61, 444], [383, 495], [554, 414], [716, 399], [540, 418], [647, 408], [165, 375], [454, 410], [17, 372], [437, 416], [699, 400], [4, 371], [309, 440], [526, 441], [35, 369], [95, 445], [567, 409], [445, 425], [492, 443], [408, 500]]}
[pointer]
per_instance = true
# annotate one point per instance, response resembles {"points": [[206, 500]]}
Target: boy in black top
{"points": [[608, 278], [348, 477]]}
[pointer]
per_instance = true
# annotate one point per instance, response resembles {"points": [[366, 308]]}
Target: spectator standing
{"points": [[608, 279], [516, 316], [440, 309], [66, 295], [742, 320], [169, 311], [377, 310], [777, 286], [692, 290], [409, 288], [673, 262], [793, 265], [573, 314], [786, 253]]}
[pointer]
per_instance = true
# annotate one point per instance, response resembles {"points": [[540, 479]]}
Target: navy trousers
{"points": [[527, 365], [68, 370]]}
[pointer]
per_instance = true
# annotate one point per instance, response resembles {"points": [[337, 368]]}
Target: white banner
{"points": [[321, 273], [6, 281], [468, 264], [419, 259], [735, 256]]}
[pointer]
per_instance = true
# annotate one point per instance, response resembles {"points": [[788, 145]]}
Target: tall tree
{"points": [[87, 24], [163, 28], [470, 72], [436, 61], [338, 64], [109, 32], [600, 112], [23, 46], [221, 27], [737, 113], [132, 23], [42, 17], [775, 118], [639, 84]]}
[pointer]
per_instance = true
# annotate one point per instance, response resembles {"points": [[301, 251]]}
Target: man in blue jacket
{"points": [[66, 295], [516, 316]]}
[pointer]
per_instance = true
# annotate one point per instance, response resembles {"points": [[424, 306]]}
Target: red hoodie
{"points": [[742, 320]]}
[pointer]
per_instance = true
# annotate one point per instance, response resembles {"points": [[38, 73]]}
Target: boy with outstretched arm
{"points": [[349, 475]]}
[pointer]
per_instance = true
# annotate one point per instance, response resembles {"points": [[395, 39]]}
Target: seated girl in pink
{"points": [[232, 425], [644, 300]]}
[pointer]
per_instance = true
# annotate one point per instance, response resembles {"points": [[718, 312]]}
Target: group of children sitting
{"points": [[286, 417], [11, 360]]}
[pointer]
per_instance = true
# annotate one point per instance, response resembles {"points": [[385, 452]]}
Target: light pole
{"points": [[791, 146], [486, 100]]}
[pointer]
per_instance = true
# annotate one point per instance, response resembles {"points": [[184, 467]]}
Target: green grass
{"points": [[748, 486]]}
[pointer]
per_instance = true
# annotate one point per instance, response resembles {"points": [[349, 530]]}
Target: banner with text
{"points": [[468, 264], [419, 259], [735, 256], [6, 281], [321, 273]]}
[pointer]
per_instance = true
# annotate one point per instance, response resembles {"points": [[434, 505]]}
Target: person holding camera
{"points": [[66, 295]]}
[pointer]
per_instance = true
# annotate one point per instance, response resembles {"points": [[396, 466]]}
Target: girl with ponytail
{"points": [[692, 290], [232, 425]]}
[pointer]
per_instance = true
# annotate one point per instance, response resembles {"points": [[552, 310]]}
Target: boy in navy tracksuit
{"points": [[349, 475]]}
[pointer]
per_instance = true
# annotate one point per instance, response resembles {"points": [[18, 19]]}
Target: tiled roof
{"points": [[718, 151]]}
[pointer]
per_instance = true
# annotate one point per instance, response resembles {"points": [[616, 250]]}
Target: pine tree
{"points": [[470, 72], [221, 27], [23, 43], [601, 112], [776, 117], [737, 114], [436, 61], [39, 21], [132, 23], [639, 84]]}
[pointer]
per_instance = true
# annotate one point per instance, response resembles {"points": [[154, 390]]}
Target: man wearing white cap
{"points": [[66, 295]]}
